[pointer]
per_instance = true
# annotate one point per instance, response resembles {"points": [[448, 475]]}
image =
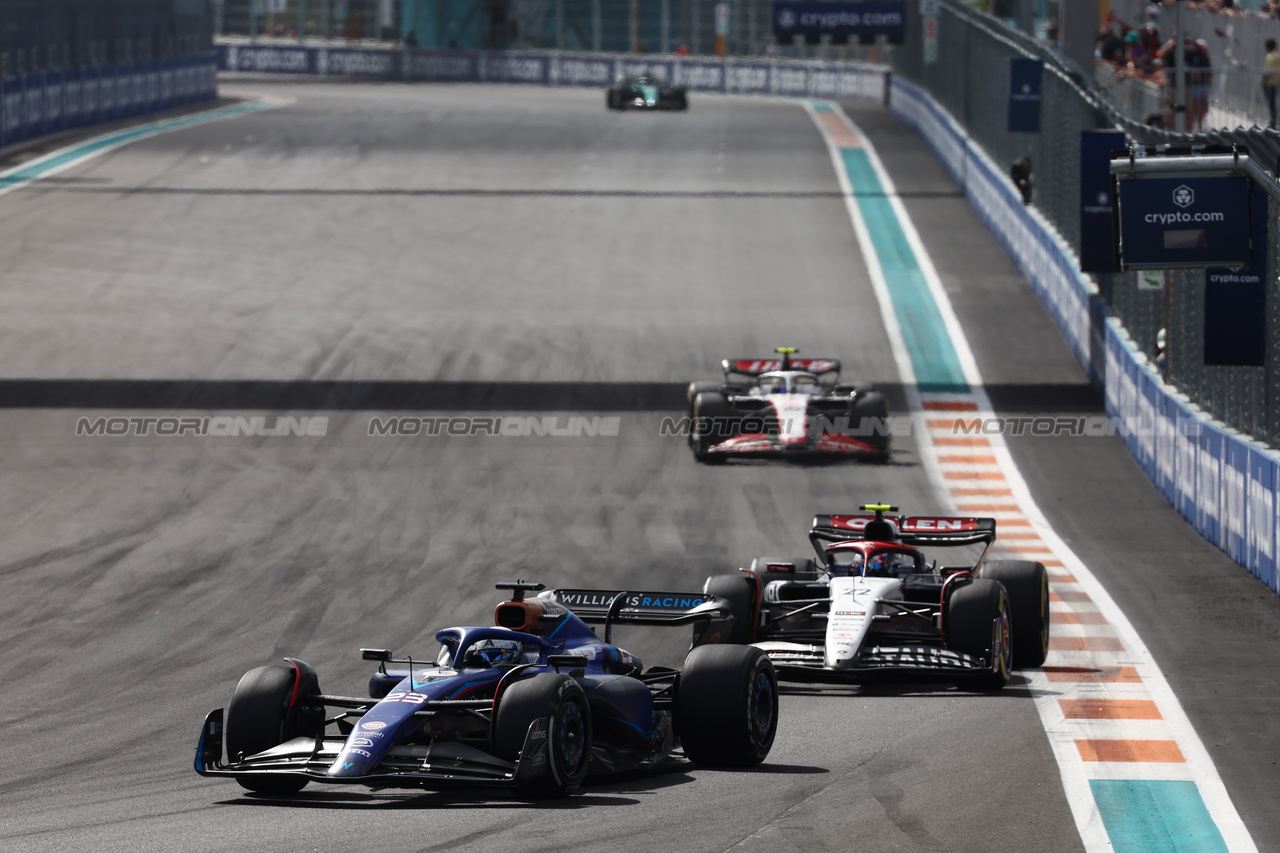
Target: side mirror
{"points": [[380, 655]]}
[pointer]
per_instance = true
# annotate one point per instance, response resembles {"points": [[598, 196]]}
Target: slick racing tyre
{"points": [[869, 420], [739, 591], [713, 422], [260, 717], [1028, 586], [726, 708], [696, 388], [568, 744], [977, 616]]}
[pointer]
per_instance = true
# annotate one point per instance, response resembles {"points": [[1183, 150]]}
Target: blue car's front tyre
{"points": [[727, 706], [259, 718], [559, 700]]}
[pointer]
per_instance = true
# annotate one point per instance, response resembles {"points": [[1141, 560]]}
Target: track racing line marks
{"points": [[1136, 775], [73, 155]]}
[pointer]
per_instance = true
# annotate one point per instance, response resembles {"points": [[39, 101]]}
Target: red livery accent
{"points": [[756, 366], [921, 524], [917, 524]]}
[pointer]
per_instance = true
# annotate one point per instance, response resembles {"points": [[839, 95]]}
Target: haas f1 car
{"points": [[646, 93], [786, 406], [873, 603], [533, 704]]}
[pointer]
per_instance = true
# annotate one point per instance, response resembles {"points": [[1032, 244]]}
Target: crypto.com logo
{"points": [[1184, 196], [786, 19]]}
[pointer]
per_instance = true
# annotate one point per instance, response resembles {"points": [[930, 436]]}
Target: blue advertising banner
{"points": [[1209, 484], [10, 109], [54, 94], [1024, 95], [1262, 517], [1167, 223], [1235, 302], [1235, 475], [839, 21], [34, 91], [1097, 234]]}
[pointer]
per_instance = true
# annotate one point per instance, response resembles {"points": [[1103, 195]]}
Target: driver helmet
{"points": [[879, 566], [490, 653]]}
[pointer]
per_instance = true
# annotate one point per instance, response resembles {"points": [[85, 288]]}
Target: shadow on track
{"points": [[900, 687], [81, 186], [433, 395]]}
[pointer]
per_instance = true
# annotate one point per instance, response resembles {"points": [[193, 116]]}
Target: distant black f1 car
{"points": [[533, 704], [646, 93], [786, 406]]}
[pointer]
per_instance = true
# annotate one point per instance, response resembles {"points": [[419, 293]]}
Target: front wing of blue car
{"points": [[437, 765]]}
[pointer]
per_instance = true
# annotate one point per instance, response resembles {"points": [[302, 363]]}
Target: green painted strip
{"points": [[1143, 816], [934, 359], [33, 171]]}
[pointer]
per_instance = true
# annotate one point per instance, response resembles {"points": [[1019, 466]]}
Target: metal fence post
{"points": [[695, 28], [559, 24], [253, 20], [665, 26], [595, 26], [302, 20]]}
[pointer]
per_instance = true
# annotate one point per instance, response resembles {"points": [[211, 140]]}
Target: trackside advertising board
{"points": [[1024, 95], [36, 104], [787, 78], [840, 21], [1168, 223], [1097, 233], [1235, 302]]}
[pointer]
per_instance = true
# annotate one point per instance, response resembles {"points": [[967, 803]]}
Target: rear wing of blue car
{"points": [[611, 606]]}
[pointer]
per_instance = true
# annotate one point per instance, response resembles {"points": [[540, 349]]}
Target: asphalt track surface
{"points": [[527, 243]]}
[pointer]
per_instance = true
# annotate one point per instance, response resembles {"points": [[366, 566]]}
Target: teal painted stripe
{"points": [[933, 357], [1156, 817], [24, 174]]}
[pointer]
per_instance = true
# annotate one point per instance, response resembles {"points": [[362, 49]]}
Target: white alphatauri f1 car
{"points": [[874, 603]]}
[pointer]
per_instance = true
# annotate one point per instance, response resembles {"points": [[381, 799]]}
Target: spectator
{"points": [[1271, 79], [1110, 47], [1198, 79], [411, 39]]}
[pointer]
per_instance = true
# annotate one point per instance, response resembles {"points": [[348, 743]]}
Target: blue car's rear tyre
{"points": [[726, 708], [560, 698], [260, 717]]}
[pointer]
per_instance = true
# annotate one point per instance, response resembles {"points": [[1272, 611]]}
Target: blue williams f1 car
{"points": [[533, 704]]}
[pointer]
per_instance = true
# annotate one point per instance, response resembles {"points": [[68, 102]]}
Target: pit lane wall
{"points": [[1225, 485], [790, 78], [34, 105]]}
